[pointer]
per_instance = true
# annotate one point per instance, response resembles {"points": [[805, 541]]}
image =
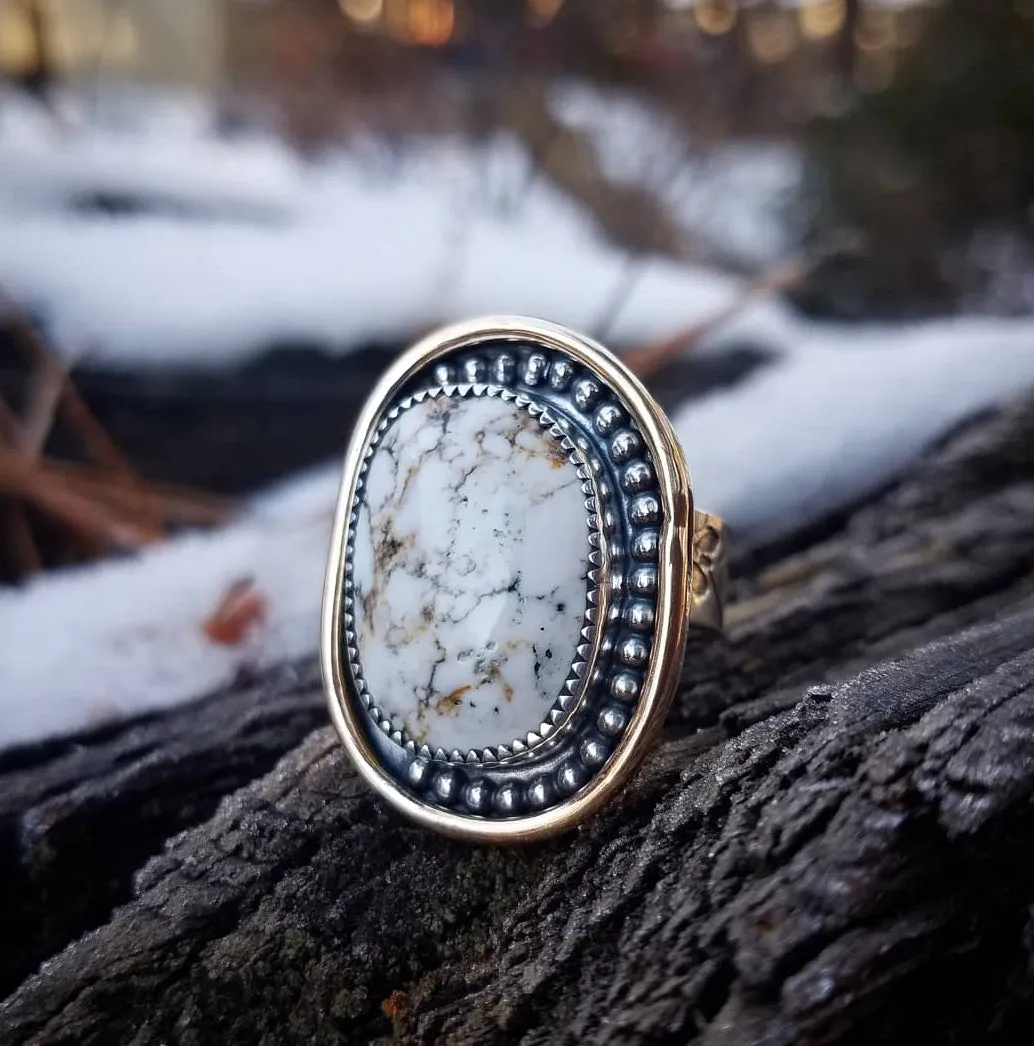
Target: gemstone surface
{"points": [[469, 572]]}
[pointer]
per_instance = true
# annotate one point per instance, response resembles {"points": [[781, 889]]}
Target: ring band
{"points": [[514, 568]]}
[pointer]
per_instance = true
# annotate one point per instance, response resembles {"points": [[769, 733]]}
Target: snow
{"points": [[87, 646], [253, 244], [47, 164], [248, 244], [844, 412], [730, 196], [841, 412]]}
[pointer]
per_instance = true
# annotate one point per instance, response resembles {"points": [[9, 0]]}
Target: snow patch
{"points": [[842, 411], [244, 244], [731, 196]]}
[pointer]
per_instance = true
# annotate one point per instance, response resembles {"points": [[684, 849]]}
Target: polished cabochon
{"points": [[505, 611]]}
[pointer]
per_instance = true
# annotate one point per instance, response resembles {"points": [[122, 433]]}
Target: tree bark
{"points": [[833, 842]]}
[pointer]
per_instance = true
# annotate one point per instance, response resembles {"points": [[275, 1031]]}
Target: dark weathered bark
{"points": [[830, 844], [872, 843], [77, 821]]}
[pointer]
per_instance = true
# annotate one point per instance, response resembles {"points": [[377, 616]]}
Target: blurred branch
{"points": [[23, 478], [70, 405], [628, 279], [631, 216], [645, 360], [47, 387], [10, 427], [178, 505], [56, 393], [17, 529], [104, 505]]}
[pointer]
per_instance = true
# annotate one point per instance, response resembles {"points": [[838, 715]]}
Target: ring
{"points": [[514, 568]]}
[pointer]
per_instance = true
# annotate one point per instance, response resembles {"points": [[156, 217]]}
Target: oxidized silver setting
{"points": [[639, 518]]}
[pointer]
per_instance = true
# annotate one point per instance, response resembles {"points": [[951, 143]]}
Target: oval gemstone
{"points": [[469, 572]]}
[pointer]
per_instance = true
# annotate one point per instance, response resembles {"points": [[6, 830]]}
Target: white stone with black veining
{"points": [[470, 572]]}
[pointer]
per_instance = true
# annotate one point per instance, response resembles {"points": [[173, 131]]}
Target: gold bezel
{"points": [[673, 567]]}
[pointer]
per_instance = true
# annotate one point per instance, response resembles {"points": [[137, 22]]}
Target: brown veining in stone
{"points": [[474, 530], [450, 703]]}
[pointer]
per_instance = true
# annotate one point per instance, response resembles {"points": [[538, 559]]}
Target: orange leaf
{"points": [[241, 609]]}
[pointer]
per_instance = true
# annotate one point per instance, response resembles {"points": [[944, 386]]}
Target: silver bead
{"points": [[477, 795], [446, 785], [593, 751], [417, 772], [624, 686], [637, 476], [645, 509], [608, 417], [504, 369], [507, 799], [586, 393], [634, 652], [643, 581], [625, 446], [444, 374], [609, 522], [540, 792], [474, 370], [612, 721], [535, 368], [570, 777], [645, 545], [639, 616], [560, 374]]}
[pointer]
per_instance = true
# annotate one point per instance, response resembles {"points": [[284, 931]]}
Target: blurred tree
{"points": [[920, 165]]}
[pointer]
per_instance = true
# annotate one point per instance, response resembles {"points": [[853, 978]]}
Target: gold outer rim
{"points": [[673, 566]]}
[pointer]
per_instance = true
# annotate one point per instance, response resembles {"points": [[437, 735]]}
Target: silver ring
{"points": [[514, 567]]}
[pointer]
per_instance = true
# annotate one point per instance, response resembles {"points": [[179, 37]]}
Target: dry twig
{"points": [[17, 529], [104, 505], [647, 359], [177, 505], [72, 407], [23, 478]]}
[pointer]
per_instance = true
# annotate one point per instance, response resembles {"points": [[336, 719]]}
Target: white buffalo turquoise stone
{"points": [[469, 572]]}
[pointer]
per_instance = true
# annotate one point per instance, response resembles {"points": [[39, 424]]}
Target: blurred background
{"points": [[808, 224]]}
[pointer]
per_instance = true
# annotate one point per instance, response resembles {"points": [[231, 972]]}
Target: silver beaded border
{"points": [[603, 431], [578, 673]]}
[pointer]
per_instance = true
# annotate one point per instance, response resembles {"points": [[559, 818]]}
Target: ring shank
{"points": [[709, 574]]}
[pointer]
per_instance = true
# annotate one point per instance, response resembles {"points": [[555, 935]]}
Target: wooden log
{"points": [[793, 883], [833, 842], [78, 818]]}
